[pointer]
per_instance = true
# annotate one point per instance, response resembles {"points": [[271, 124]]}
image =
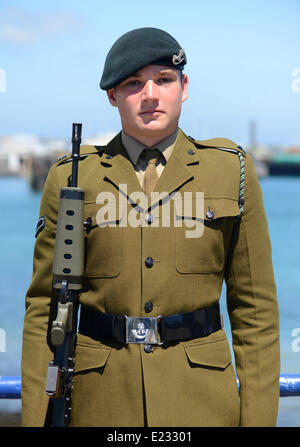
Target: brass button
{"points": [[149, 262], [148, 306], [149, 218], [210, 214], [148, 348], [191, 152]]}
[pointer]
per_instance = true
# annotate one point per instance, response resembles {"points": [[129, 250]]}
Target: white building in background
{"points": [[18, 150], [100, 139]]}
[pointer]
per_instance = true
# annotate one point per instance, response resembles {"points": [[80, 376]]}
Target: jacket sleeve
{"points": [[35, 351], [253, 310]]}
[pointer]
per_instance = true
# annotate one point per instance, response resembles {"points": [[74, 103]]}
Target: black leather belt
{"points": [[155, 330]]}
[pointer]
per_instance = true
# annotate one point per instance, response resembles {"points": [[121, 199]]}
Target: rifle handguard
{"points": [[68, 262]]}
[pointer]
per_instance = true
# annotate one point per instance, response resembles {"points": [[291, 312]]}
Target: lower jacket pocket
{"points": [[90, 357], [214, 355]]}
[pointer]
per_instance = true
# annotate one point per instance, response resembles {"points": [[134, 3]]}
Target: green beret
{"points": [[138, 48]]}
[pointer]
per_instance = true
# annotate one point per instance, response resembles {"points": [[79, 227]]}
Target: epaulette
{"points": [[85, 151], [224, 144]]}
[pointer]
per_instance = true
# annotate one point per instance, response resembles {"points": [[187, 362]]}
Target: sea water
{"points": [[19, 212]]}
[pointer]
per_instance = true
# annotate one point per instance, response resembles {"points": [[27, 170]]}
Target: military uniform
{"points": [[191, 383], [151, 270]]}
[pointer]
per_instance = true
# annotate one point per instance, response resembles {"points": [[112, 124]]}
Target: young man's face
{"points": [[149, 102]]}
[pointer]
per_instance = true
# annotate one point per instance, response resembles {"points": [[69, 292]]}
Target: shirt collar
{"points": [[135, 147]]}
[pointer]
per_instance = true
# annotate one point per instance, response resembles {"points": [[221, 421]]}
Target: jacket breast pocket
{"points": [[201, 249], [103, 242]]}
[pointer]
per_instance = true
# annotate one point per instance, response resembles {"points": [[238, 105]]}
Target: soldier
{"points": [[153, 281]]}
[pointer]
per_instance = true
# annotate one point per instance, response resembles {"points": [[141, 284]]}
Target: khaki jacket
{"points": [[190, 383]]}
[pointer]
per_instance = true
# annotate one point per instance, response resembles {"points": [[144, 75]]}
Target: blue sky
{"points": [[241, 55]]}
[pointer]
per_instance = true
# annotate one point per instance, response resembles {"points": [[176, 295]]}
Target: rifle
{"points": [[67, 270]]}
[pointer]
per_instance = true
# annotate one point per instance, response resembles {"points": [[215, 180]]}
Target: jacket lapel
{"points": [[179, 173], [121, 171]]}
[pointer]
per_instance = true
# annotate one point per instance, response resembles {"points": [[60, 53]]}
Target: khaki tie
{"points": [[150, 177]]}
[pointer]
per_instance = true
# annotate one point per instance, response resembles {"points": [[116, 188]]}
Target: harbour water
{"points": [[19, 208]]}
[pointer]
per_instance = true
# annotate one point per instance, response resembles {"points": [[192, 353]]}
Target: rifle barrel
{"points": [[76, 140]]}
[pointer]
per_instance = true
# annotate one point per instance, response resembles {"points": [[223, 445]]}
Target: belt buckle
{"points": [[142, 330]]}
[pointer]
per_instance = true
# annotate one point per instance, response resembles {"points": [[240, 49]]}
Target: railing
{"points": [[10, 387]]}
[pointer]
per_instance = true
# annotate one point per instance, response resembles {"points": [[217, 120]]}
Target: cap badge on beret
{"points": [[177, 59]]}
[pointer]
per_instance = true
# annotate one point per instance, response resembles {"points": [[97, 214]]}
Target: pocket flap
{"points": [[197, 209], [215, 354], [90, 357], [221, 207], [108, 214]]}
